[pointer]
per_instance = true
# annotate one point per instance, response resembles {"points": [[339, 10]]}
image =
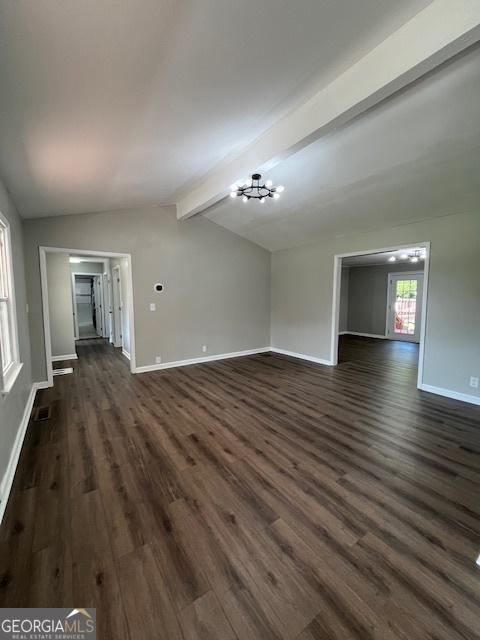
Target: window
{"points": [[9, 359]]}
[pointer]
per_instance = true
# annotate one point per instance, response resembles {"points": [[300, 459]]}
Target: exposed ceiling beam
{"points": [[434, 35]]}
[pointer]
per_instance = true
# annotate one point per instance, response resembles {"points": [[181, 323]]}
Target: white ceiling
{"points": [[108, 104], [414, 157], [383, 257]]}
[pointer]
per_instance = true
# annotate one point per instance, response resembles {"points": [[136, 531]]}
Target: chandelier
{"points": [[414, 255], [253, 189]]}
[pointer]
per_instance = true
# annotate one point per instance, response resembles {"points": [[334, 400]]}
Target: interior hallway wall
{"points": [[344, 286], [217, 284], [60, 308], [12, 405]]}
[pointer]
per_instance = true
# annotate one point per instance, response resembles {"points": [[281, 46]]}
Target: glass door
{"points": [[404, 308]]}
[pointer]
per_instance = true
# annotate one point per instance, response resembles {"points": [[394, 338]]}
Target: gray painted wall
{"points": [[12, 406], [59, 279], [367, 296], [343, 317], [302, 295], [217, 284]]}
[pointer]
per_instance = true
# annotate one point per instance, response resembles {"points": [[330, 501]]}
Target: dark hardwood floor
{"points": [[253, 498]]}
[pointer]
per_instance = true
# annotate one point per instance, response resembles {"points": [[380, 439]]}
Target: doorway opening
{"points": [[379, 307], [87, 305]]}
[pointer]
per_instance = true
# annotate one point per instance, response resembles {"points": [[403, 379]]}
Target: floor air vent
{"points": [[42, 413], [62, 372]]}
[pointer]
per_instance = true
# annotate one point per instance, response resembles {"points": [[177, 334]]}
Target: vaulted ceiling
{"points": [[414, 157], [108, 104], [360, 109]]}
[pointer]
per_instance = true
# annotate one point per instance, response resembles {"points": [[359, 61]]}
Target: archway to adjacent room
{"points": [[380, 301]]}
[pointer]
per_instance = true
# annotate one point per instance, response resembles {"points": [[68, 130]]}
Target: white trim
{"points": [[301, 356], [42, 385], [117, 306], [69, 356], [362, 335], [184, 363], [337, 270], [10, 377], [7, 480], [43, 250], [455, 395], [125, 353], [74, 307], [46, 315], [15, 367], [89, 274]]}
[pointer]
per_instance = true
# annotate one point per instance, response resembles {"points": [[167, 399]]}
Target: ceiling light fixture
{"points": [[75, 260], [413, 255], [253, 189]]}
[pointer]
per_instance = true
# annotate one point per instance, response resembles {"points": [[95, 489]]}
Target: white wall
{"points": [[302, 285], [217, 284], [60, 309], [344, 299], [12, 406]]}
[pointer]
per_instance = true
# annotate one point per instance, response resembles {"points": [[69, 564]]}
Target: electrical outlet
{"points": [[153, 306], [204, 348], [474, 382], [158, 359]]}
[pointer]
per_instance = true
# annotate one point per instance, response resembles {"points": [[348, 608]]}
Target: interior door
{"points": [[97, 301], [117, 306], [405, 292]]}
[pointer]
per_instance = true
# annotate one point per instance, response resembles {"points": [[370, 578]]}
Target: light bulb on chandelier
{"points": [[253, 189]]}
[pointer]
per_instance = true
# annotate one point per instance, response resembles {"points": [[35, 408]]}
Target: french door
{"points": [[404, 307]]}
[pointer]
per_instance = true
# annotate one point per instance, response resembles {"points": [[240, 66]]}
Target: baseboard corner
{"points": [[448, 393], [301, 356]]}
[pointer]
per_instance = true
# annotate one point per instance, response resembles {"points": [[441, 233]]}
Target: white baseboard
{"points": [[7, 480], [455, 395], [70, 356], [363, 335], [184, 363], [302, 356], [125, 353], [42, 385]]}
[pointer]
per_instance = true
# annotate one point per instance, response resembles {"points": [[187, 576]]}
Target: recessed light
{"points": [[392, 259]]}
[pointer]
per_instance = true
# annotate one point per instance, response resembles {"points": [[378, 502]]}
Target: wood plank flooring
{"points": [[250, 499]]}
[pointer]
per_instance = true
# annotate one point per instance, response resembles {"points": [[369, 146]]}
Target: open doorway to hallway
{"points": [[87, 303], [381, 310]]}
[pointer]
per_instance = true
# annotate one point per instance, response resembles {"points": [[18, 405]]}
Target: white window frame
{"points": [[8, 377]]}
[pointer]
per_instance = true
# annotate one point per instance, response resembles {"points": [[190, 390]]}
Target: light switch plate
{"points": [[153, 306]]}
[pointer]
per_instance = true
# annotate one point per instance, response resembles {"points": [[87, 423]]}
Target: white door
{"points": [[97, 301], [405, 291], [117, 306]]}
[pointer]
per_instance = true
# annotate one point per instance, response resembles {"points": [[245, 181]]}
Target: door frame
{"points": [[117, 309], [88, 274], [402, 274], [42, 252], [337, 273]]}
